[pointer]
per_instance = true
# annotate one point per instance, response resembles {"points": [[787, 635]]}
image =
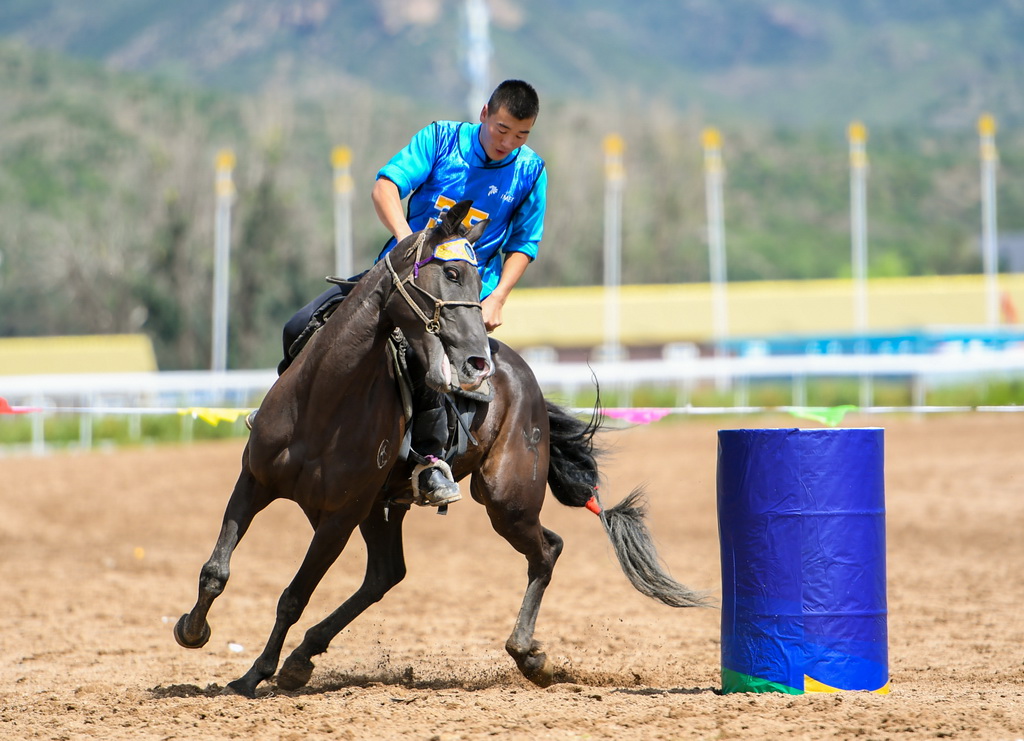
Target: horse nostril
{"points": [[478, 363]]}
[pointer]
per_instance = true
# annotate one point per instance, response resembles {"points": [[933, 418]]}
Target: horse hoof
{"points": [[295, 673], [542, 676], [179, 634], [239, 689]]}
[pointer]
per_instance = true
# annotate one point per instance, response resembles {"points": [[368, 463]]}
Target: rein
{"points": [[432, 325]]}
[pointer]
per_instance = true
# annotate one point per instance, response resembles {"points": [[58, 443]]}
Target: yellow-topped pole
{"points": [[711, 141], [857, 135], [224, 165], [714, 177], [987, 131], [341, 161], [989, 234], [614, 148], [711, 138], [615, 176]]}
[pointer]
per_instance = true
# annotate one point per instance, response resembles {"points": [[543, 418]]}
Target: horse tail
{"points": [[572, 472], [640, 562], [573, 477]]}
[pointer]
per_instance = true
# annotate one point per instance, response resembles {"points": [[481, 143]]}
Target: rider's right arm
{"points": [[412, 165], [388, 204], [403, 173]]}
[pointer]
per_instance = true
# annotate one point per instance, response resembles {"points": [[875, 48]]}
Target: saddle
{"points": [[323, 313]]}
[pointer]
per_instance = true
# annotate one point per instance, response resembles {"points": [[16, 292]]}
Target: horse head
{"points": [[435, 271]]}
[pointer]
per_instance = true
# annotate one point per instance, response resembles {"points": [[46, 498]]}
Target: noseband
{"points": [[431, 324]]}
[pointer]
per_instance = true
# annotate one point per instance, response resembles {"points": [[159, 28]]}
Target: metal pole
{"points": [[478, 55], [615, 175], [225, 189], [858, 136], [714, 175], [989, 245], [341, 159]]}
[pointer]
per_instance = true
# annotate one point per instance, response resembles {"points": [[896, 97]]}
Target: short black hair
{"points": [[517, 97]]}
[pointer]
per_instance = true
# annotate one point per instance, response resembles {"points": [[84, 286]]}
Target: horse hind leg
{"points": [[247, 500], [522, 647], [515, 516]]}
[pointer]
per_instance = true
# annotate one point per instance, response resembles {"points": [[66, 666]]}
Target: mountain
{"points": [[789, 62]]}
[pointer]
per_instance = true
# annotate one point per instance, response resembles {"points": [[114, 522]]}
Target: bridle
{"points": [[431, 324]]}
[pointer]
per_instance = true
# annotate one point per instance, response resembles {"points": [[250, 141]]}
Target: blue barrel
{"points": [[801, 519]]}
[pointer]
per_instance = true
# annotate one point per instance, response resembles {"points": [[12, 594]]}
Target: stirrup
{"points": [[441, 496], [250, 419]]}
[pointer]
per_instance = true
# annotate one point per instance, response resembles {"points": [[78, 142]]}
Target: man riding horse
{"points": [[331, 431], [444, 163]]}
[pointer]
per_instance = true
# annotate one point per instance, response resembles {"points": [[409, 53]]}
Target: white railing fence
{"points": [[137, 394]]}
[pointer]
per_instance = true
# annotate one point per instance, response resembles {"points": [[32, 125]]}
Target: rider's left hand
{"points": [[491, 307]]}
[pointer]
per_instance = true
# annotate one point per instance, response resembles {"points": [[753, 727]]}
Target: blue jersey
{"points": [[445, 163]]}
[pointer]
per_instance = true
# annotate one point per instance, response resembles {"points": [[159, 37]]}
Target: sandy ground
{"points": [[101, 553]]}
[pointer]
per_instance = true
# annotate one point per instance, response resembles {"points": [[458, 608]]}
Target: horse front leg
{"points": [[247, 500], [385, 567], [517, 521], [328, 542]]}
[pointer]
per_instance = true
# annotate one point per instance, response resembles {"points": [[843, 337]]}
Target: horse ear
{"points": [[452, 220], [477, 231]]}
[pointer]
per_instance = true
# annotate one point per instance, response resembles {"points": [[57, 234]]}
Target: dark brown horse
{"points": [[328, 432]]}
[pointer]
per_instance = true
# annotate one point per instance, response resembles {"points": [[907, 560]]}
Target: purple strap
{"points": [[416, 266]]}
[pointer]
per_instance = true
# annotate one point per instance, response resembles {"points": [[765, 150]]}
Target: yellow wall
{"points": [[650, 315], [118, 353], [657, 314]]}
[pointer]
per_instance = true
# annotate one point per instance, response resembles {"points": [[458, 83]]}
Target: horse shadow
{"points": [[336, 681]]}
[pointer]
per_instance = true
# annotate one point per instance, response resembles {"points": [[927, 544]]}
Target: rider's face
{"points": [[500, 133]]}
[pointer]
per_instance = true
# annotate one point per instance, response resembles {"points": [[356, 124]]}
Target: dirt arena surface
{"points": [[101, 554]]}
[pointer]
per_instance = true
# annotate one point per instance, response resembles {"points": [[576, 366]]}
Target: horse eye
{"points": [[452, 274]]}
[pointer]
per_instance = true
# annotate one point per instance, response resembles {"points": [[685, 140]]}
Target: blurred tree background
{"points": [[107, 178]]}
